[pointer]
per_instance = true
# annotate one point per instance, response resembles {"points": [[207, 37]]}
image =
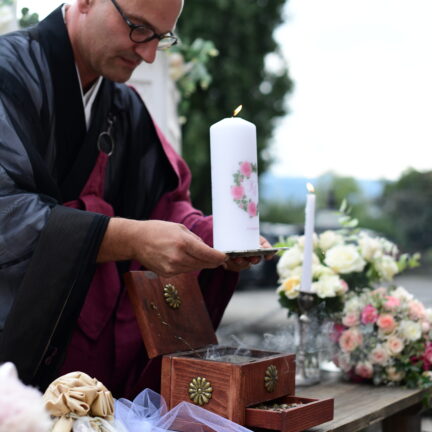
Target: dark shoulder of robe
{"points": [[47, 250]]}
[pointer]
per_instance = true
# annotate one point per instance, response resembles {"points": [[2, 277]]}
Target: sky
{"points": [[362, 103]]}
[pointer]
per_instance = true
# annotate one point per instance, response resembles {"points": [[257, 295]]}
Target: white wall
{"points": [[8, 21], [160, 95]]}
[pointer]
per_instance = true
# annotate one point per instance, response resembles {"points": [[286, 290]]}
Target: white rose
{"points": [[289, 260], [386, 267], [301, 241], [428, 314], [370, 247], [344, 259], [402, 294], [328, 239], [318, 271], [394, 345], [389, 247], [297, 271], [410, 330], [379, 355], [327, 286], [352, 305]]}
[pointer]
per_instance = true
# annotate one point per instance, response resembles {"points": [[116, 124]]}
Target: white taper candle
{"points": [[306, 279]]}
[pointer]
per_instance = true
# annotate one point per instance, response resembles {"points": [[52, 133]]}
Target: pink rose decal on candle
{"points": [[246, 168], [252, 209], [237, 192], [244, 191]]}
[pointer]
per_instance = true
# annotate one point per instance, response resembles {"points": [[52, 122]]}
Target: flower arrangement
{"points": [[384, 335], [344, 260]]}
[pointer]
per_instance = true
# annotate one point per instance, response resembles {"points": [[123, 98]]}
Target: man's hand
{"points": [[238, 264], [165, 248]]}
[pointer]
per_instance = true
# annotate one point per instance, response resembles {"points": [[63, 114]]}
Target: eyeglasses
{"points": [[142, 33]]}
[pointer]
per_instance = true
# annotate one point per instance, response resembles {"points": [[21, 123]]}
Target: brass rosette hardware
{"points": [[271, 378], [172, 296], [200, 391]]}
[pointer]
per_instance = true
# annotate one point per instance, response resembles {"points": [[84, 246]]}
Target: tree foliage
{"points": [[333, 189], [242, 31], [408, 204], [28, 18], [288, 212]]}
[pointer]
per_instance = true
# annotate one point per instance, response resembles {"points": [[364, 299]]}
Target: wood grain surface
{"points": [[358, 405]]}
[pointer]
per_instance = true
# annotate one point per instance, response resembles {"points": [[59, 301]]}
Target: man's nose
{"points": [[147, 51]]}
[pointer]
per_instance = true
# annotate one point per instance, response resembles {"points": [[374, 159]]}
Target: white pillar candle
{"points": [[234, 174], [306, 279]]}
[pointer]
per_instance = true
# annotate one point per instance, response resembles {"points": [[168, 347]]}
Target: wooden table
{"points": [[358, 406]]}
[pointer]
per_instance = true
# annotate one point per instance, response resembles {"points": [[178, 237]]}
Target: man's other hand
{"points": [[239, 263]]}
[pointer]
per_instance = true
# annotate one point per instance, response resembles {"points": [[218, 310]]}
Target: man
{"points": [[76, 149]]}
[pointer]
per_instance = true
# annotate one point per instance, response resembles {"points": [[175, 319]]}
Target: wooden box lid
{"points": [[171, 312]]}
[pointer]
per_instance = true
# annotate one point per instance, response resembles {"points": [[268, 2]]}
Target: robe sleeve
{"points": [[47, 251], [217, 285]]}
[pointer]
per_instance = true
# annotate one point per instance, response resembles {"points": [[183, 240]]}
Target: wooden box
{"points": [[174, 322]]}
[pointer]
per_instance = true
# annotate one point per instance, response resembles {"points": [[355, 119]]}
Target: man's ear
{"points": [[84, 5]]}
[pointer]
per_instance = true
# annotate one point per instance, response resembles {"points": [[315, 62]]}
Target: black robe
{"points": [[47, 250]]}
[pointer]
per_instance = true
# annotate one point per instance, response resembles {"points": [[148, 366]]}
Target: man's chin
{"points": [[119, 76]]}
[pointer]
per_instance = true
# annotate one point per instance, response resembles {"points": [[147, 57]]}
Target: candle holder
{"points": [[307, 359]]}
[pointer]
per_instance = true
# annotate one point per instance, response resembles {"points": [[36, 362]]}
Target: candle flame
{"points": [[237, 110], [310, 188]]}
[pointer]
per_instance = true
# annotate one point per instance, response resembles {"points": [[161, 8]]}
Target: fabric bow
{"points": [[76, 395]]}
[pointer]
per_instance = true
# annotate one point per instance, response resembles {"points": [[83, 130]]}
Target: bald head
{"points": [[99, 31]]}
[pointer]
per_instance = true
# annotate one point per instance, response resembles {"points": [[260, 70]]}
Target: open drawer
{"points": [[310, 413]]}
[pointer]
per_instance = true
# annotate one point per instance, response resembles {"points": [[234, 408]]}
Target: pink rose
{"points": [[252, 209], [379, 355], [391, 302], [386, 323], [416, 310], [344, 286], [364, 369], [425, 326], [246, 169], [351, 319], [380, 291], [369, 314], [394, 345], [237, 192], [336, 332], [350, 340], [427, 357]]}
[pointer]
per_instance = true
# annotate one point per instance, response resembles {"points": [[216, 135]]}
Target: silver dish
{"points": [[255, 252]]}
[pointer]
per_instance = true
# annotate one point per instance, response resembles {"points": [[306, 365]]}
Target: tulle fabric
{"points": [[96, 424], [148, 412]]}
